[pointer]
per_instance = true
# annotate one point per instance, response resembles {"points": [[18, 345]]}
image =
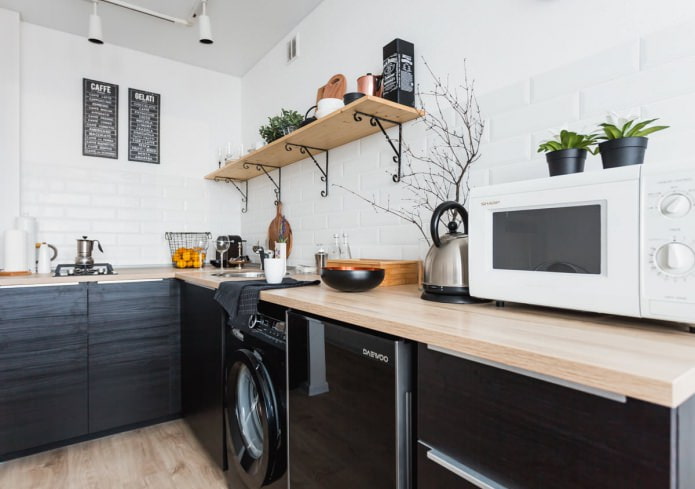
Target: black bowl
{"points": [[351, 97], [352, 279]]}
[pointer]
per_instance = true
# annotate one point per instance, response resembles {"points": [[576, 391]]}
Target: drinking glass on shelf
{"points": [[200, 252], [222, 244]]}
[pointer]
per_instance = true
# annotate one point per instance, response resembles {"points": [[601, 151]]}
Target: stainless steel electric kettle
{"points": [[446, 264]]}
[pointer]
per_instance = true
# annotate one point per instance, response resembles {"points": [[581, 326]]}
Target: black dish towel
{"points": [[240, 299]]}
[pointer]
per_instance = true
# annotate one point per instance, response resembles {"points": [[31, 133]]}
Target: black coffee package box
{"points": [[399, 72]]}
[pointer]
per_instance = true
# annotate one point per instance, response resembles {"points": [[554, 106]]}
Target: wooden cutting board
{"points": [[397, 272], [335, 88], [279, 226], [14, 274]]}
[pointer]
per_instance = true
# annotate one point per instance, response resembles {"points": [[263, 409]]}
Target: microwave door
{"points": [[549, 240], [572, 248]]}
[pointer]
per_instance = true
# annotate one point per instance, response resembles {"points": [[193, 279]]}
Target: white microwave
{"points": [[617, 241]]}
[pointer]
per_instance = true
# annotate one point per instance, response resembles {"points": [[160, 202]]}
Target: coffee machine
{"points": [[235, 254]]}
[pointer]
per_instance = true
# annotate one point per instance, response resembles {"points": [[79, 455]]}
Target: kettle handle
{"points": [[99, 245], [441, 209], [55, 251]]}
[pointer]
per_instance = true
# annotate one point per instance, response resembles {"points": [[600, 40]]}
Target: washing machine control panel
{"points": [[267, 327]]}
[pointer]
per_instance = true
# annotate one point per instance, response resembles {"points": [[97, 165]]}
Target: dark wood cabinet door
{"points": [[43, 366], [134, 353], [431, 475], [526, 433], [202, 356]]}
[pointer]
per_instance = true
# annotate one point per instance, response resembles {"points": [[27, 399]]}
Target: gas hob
{"points": [[70, 270]]}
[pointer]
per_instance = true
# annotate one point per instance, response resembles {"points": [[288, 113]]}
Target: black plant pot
{"points": [[566, 161], [623, 152]]}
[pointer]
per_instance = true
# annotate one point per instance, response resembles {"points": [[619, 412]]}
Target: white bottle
{"points": [[44, 259]]}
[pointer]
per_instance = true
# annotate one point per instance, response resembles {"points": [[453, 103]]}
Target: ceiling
{"points": [[244, 30]]}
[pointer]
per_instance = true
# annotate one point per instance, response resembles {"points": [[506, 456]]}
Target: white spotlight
{"points": [[204, 25], [95, 34]]}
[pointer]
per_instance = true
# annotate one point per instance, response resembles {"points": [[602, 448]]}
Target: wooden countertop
{"points": [[646, 360], [201, 277]]}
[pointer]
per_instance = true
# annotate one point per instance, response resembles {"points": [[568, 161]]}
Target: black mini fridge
{"points": [[349, 403]]}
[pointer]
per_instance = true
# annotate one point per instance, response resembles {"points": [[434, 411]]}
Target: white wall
{"points": [[9, 122], [127, 205], [537, 63]]}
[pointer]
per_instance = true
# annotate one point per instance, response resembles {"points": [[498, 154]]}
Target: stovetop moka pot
{"points": [[84, 251]]}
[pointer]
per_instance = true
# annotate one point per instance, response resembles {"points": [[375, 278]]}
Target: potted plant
{"points": [[624, 140], [280, 125], [566, 152]]}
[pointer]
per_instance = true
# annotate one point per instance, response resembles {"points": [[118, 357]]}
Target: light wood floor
{"points": [[165, 456]]}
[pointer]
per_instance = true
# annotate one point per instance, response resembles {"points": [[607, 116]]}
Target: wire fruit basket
{"points": [[188, 250]]}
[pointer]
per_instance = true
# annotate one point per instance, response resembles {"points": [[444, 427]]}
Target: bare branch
{"points": [[456, 127]]}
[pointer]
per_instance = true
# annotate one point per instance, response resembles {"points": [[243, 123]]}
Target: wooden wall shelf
{"points": [[364, 117]]}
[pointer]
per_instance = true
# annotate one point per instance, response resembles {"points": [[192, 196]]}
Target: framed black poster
{"points": [[99, 119], [143, 126]]}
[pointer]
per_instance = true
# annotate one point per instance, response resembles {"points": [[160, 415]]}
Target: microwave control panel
{"points": [[668, 244]]}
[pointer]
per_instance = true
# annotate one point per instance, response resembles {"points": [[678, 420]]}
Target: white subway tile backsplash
{"points": [[140, 215], [668, 45], [519, 171], [313, 223], [116, 227], [505, 151], [343, 220], [549, 114], [505, 99], [91, 213], [66, 199], [670, 80], [602, 67], [517, 117], [103, 200], [379, 218], [677, 112]]}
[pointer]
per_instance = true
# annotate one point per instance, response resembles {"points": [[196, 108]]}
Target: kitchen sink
{"points": [[239, 274]]}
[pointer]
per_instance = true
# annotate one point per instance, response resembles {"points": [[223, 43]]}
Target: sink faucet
{"points": [[260, 251]]}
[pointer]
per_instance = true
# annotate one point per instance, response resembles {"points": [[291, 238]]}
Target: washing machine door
{"points": [[252, 415]]}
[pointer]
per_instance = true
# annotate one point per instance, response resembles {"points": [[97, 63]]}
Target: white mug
{"points": [[326, 106], [274, 270]]}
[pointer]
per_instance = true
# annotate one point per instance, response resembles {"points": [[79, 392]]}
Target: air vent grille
{"points": [[293, 48]]}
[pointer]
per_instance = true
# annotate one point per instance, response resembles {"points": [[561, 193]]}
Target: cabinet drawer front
{"points": [[39, 302], [529, 434], [432, 475]]}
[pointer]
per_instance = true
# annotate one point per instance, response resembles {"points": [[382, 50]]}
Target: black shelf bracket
{"points": [[277, 184], [376, 121], [244, 193], [306, 150]]}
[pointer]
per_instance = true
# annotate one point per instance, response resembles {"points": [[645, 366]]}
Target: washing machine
{"points": [[255, 415]]}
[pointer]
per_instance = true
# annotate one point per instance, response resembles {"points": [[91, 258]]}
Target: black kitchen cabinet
{"points": [[516, 431], [134, 353], [43, 366], [202, 357]]}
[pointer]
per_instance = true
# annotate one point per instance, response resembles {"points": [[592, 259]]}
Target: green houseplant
{"points": [[625, 140], [280, 125], [566, 152]]}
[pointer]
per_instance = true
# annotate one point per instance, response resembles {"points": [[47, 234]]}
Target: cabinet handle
{"points": [[134, 281], [26, 286], [463, 471], [594, 391]]}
